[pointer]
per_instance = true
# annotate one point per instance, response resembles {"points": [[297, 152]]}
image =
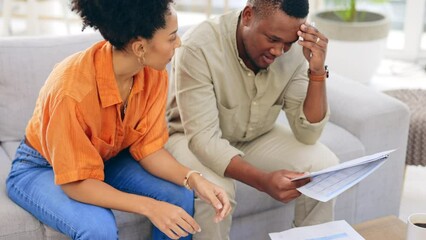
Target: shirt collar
{"points": [[105, 78]]}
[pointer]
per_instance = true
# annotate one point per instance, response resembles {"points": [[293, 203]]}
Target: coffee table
{"points": [[385, 228]]}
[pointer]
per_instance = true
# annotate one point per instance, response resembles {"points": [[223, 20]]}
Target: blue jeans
{"points": [[31, 185]]}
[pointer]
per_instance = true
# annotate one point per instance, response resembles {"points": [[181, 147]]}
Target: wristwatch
{"points": [[319, 78]]}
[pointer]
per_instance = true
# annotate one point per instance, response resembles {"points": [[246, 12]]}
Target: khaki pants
{"points": [[277, 149]]}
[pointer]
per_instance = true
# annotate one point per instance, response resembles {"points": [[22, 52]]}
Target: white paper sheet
{"points": [[330, 182], [336, 230]]}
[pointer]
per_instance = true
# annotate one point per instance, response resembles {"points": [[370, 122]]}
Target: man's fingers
{"points": [[313, 31], [294, 194], [292, 175], [301, 182], [290, 195]]}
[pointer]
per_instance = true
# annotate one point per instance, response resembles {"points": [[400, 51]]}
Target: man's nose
{"points": [[277, 50]]}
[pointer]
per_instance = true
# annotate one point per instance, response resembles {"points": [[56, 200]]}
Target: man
{"points": [[233, 76]]}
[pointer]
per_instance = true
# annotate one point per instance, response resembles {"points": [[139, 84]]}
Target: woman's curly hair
{"points": [[120, 21]]}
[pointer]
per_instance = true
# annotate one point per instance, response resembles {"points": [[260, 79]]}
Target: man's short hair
{"points": [[293, 8]]}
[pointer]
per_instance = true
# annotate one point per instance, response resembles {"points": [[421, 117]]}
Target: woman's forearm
{"points": [[96, 192], [163, 165]]}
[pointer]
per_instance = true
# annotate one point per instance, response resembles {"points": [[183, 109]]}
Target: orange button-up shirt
{"points": [[77, 125]]}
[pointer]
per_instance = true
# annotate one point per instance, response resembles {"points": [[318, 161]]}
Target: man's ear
{"points": [[247, 15]]}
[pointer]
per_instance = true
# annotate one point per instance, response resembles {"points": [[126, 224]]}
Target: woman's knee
{"points": [[100, 227]]}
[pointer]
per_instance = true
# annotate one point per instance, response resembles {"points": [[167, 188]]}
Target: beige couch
{"points": [[363, 121]]}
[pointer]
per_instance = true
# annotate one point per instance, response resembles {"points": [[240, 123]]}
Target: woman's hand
{"points": [[172, 220], [212, 194]]}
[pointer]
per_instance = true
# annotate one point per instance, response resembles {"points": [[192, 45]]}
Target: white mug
{"points": [[416, 226]]}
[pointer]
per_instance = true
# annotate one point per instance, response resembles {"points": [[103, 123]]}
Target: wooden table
{"points": [[386, 228]]}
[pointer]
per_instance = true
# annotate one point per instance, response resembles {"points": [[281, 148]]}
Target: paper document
{"points": [[336, 230], [330, 182]]}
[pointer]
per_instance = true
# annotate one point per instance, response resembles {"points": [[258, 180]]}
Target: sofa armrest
{"points": [[381, 123], [378, 120]]}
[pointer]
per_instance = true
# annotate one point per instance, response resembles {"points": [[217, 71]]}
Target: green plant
{"points": [[348, 11]]}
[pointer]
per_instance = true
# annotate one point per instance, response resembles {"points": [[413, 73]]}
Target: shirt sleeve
{"points": [[198, 109], [294, 98], [154, 120], [72, 155]]}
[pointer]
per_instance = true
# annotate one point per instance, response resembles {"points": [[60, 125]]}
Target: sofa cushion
{"points": [[250, 201], [132, 226], [10, 148], [25, 64], [51, 234], [341, 142], [258, 226], [4, 164], [346, 148], [15, 222]]}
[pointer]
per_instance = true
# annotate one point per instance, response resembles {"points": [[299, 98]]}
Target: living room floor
{"points": [[392, 74]]}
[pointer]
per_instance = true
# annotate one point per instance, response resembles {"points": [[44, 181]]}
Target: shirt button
{"points": [[254, 103], [249, 74], [250, 129]]}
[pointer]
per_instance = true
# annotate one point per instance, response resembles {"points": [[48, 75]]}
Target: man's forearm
{"points": [[243, 171], [315, 106]]}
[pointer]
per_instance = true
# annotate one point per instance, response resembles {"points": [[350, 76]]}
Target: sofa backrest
{"points": [[25, 63]]}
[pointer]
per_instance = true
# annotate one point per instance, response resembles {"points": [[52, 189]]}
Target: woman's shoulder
{"points": [[75, 76]]}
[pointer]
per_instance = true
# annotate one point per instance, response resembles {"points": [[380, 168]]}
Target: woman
{"points": [[96, 139]]}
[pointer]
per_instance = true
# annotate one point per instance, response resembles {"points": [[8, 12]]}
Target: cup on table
{"points": [[416, 226]]}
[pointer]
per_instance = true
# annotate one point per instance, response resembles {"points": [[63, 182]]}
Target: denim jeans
{"points": [[31, 185]]}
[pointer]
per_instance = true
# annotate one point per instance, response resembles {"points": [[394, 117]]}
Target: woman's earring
{"points": [[141, 59]]}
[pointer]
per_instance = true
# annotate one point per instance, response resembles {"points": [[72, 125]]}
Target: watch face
{"points": [[327, 73]]}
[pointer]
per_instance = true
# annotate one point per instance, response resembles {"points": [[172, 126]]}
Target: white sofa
{"points": [[363, 121]]}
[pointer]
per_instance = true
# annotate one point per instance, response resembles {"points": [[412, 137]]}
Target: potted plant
{"points": [[357, 38]]}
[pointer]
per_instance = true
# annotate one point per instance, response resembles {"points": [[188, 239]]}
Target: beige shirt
{"points": [[222, 101]]}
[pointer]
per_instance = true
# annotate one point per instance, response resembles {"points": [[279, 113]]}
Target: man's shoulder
{"points": [[209, 32], [199, 35]]}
